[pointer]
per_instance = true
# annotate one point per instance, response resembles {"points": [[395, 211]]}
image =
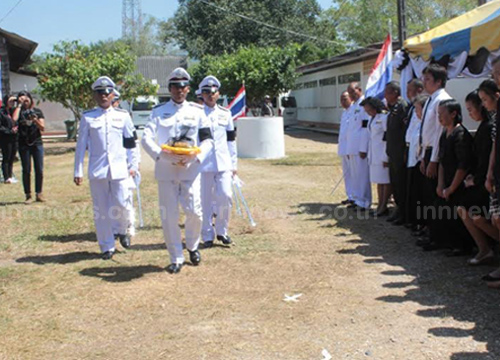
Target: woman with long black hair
{"points": [[8, 137], [476, 199], [456, 156], [31, 124]]}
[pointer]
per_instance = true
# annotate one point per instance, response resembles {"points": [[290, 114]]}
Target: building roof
{"points": [[20, 49], [369, 52], [159, 67]]}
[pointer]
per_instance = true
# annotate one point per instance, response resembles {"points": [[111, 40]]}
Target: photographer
{"points": [[8, 137], [31, 124]]}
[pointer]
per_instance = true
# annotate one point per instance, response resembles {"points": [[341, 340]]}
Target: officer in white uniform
{"points": [[219, 166], [135, 154], [345, 119], [178, 176], [360, 139], [106, 133]]}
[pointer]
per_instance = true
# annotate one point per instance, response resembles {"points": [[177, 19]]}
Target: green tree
{"points": [[269, 70], [66, 74], [364, 22], [212, 28]]}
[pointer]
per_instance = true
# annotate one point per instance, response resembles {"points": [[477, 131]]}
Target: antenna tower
{"points": [[131, 19]]}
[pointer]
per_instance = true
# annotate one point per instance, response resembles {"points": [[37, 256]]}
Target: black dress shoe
{"points": [[174, 268], [489, 278], [125, 240], [418, 233], [107, 255], [208, 244], [346, 201], [194, 257], [432, 246], [422, 242], [398, 222], [226, 240], [352, 206]]}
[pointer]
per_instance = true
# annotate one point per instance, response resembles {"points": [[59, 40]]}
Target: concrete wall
{"points": [[55, 114]]}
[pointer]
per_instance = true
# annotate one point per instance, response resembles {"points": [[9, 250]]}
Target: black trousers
{"points": [[9, 147], [429, 186], [397, 174], [414, 195], [26, 153]]}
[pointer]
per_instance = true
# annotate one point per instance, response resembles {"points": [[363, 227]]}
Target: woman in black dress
{"points": [[455, 162], [31, 124], [8, 137], [476, 199]]}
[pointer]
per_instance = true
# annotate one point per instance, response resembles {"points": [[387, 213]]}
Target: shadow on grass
{"points": [[8, 203], [446, 285], [121, 273], [312, 135], [89, 236], [62, 259]]}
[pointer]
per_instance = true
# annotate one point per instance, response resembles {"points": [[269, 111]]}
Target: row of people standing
{"points": [[443, 179], [199, 183], [21, 127]]}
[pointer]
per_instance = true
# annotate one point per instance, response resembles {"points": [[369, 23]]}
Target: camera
{"points": [[29, 114]]}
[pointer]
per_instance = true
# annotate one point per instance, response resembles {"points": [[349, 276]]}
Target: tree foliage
{"points": [[203, 29], [269, 70], [363, 22], [66, 74]]}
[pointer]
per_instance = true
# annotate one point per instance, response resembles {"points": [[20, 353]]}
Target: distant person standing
{"points": [[267, 107], [8, 137], [219, 166], [396, 148], [360, 140], [106, 132], [345, 118], [31, 123]]}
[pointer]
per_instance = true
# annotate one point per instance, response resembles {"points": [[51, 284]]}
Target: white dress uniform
{"points": [[359, 140], [106, 134], [342, 151], [412, 139], [377, 151], [221, 160], [178, 184]]}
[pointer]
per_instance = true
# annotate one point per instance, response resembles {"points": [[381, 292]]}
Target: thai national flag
{"points": [[381, 73], [238, 105]]}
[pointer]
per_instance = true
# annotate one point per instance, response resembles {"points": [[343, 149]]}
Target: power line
{"points": [[11, 10], [269, 25]]}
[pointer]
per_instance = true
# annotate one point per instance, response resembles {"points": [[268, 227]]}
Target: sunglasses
{"points": [[179, 86], [104, 91], [208, 91]]}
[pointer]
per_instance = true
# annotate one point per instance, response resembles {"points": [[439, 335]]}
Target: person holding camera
{"points": [[31, 123], [8, 137]]}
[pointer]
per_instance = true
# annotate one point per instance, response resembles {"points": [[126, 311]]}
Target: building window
{"points": [[348, 78], [328, 81], [311, 84], [298, 86]]}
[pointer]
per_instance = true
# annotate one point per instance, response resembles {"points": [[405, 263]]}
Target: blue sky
{"points": [[49, 21]]}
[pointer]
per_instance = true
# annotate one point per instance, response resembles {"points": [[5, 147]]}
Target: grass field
{"points": [[368, 292]]}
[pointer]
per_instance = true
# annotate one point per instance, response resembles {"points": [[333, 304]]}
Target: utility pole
{"points": [[5, 68], [131, 19], [401, 21]]}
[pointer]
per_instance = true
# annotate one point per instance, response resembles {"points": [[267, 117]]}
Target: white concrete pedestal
{"points": [[260, 137]]}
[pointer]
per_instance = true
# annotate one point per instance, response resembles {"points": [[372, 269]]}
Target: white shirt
{"points": [[344, 130], [222, 156], [104, 132], [358, 136], [377, 127], [168, 121], [412, 138], [432, 129]]}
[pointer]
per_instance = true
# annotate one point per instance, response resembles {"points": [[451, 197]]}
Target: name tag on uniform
{"points": [[189, 121], [222, 120]]}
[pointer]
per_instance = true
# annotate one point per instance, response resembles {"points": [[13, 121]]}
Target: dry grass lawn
{"points": [[368, 292]]}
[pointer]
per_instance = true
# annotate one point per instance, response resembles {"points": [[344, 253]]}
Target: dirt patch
{"points": [[367, 291]]}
